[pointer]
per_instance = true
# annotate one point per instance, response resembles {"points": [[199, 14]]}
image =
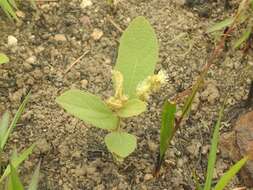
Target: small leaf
{"points": [[133, 107], [15, 182], [14, 121], [167, 126], [35, 179], [226, 178], [17, 161], [3, 58], [88, 108], [213, 151], [221, 25], [120, 143], [243, 38], [138, 54]]}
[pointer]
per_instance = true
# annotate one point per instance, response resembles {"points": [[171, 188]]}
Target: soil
{"points": [[72, 153]]}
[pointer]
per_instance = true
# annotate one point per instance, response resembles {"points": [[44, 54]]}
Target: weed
{"points": [[10, 172], [133, 80]]}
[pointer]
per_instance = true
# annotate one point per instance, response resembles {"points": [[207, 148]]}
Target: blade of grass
{"points": [[213, 151], [35, 179], [221, 25], [226, 178], [14, 121], [17, 161], [14, 181], [3, 126], [243, 38]]}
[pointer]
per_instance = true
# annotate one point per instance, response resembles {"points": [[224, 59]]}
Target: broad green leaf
{"points": [[132, 108], [35, 179], [226, 178], [14, 181], [88, 108], [120, 143], [243, 38], [17, 161], [167, 126], [221, 25], [3, 58], [137, 55], [213, 151], [4, 122], [14, 121]]}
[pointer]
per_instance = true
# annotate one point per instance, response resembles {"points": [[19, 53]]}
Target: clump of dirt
{"points": [[73, 154]]}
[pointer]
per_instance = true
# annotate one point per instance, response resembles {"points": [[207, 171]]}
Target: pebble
{"points": [[31, 60], [84, 83], [43, 146], [148, 177], [12, 41], [85, 3], [60, 38], [211, 93], [97, 34], [194, 147]]}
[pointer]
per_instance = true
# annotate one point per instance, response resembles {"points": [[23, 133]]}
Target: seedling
{"points": [[5, 132], [243, 16], [226, 178], [134, 81], [3, 58]]}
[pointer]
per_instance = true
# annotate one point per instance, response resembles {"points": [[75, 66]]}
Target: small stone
{"points": [[43, 146], [60, 38], [194, 148], [152, 146], [12, 41], [211, 93], [239, 143], [85, 20], [180, 2], [31, 60], [85, 3], [84, 83], [97, 34], [148, 177]]}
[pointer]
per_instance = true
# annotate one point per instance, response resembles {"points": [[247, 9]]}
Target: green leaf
{"points": [[187, 105], [120, 143], [17, 161], [3, 58], [221, 25], [35, 179], [8, 9], [133, 107], [226, 178], [3, 127], [213, 151], [88, 108], [138, 54], [167, 126], [243, 38], [14, 121], [15, 182]]}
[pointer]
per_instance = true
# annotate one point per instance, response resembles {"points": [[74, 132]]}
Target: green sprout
{"points": [[8, 175], [134, 80], [226, 178], [242, 17]]}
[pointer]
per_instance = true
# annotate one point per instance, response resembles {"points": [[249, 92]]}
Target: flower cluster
{"points": [[119, 99], [151, 85]]}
